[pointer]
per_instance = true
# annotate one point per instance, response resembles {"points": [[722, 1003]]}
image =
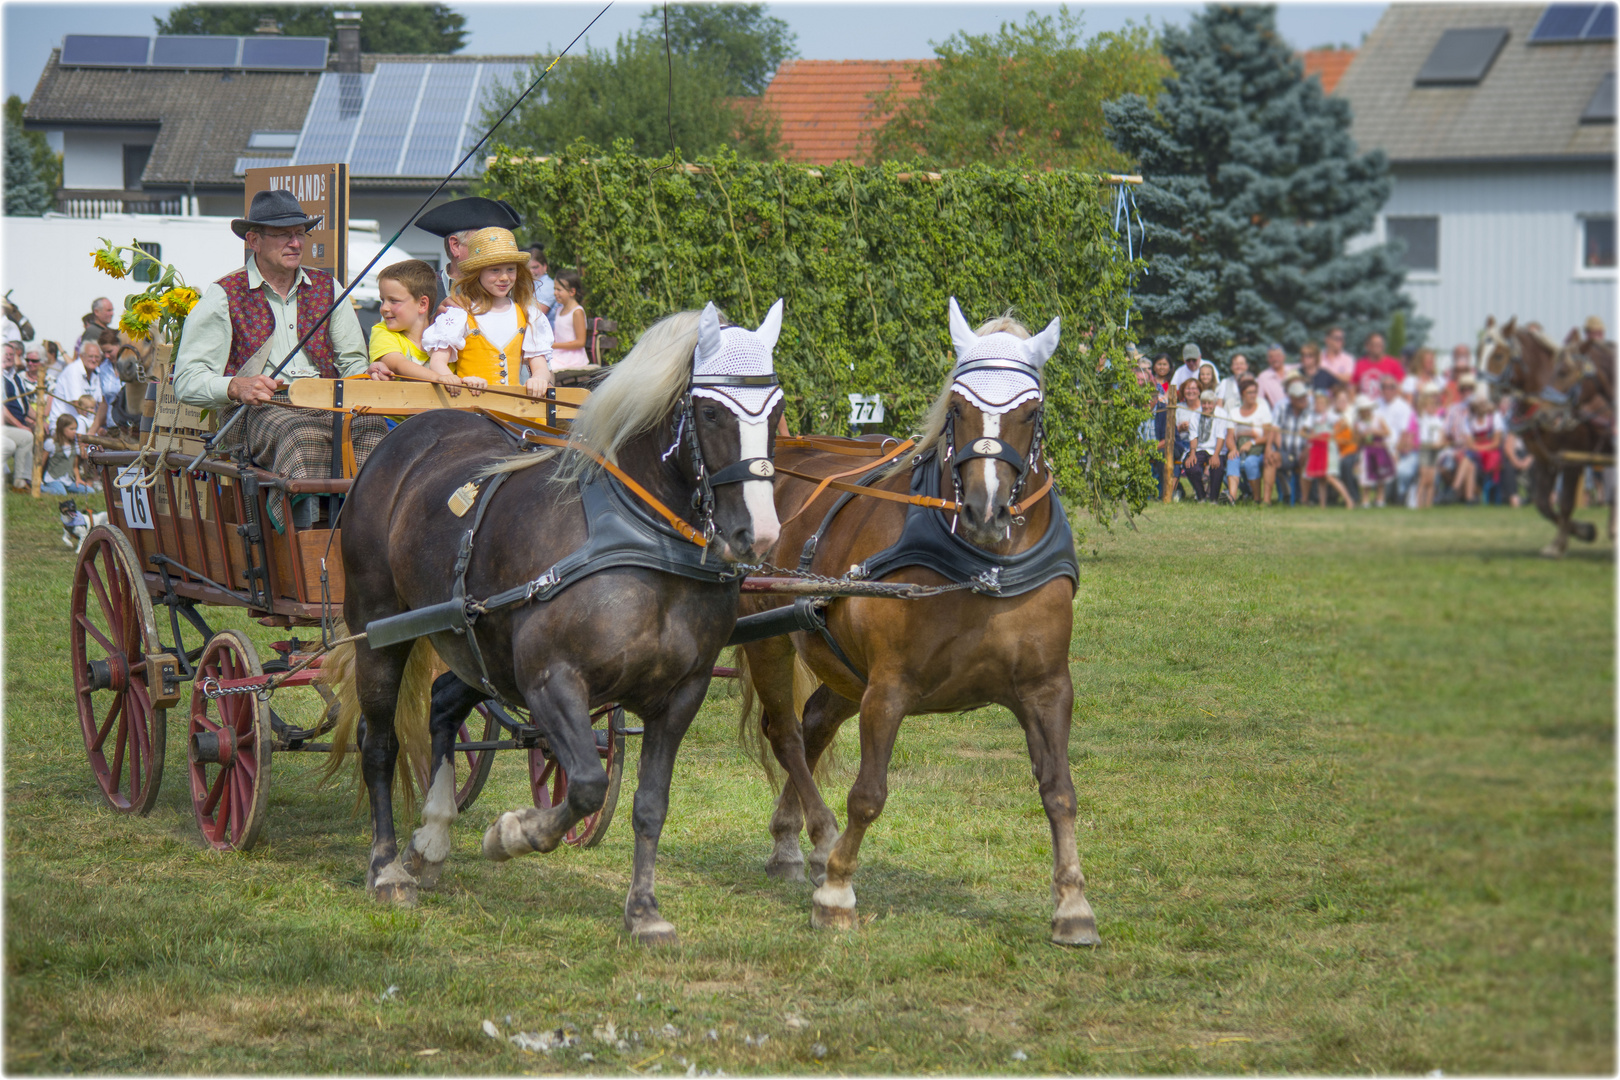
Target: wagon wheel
{"points": [[112, 632], [549, 784], [477, 761], [229, 747]]}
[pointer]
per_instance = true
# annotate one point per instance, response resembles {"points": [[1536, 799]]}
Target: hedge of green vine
{"points": [[866, 258]]}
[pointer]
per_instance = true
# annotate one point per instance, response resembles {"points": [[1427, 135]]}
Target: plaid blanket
{"points": [[297, 443]]}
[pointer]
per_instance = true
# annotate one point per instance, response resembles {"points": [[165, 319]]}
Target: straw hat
{"points": [[1594, 325], [491, 247], [1364, 403]]}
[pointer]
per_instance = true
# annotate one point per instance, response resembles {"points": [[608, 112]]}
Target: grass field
{"points": [[1346, 788]]}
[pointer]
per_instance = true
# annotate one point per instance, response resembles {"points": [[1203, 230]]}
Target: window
{"points": [[135, 159], [1462, 57], [1574, 22], [273, 140], [1422, 237], [1600, 110], [1597, 243], [145, 270]]}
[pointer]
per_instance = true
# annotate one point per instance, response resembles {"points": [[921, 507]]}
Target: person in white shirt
{"points": [[1247, 440], [78, 379], [1191, 360], [1228, 388], [1205, 464], [1398, 416]]}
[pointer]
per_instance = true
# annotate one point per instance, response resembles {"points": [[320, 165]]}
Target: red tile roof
{"points": [[825, 106], [1330, 64]]}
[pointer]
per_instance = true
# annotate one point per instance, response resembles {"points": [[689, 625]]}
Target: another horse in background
{"points": [[1005, 640], [1563, 409]]}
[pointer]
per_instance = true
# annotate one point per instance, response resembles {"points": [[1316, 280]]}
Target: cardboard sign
{"points": [[137, 509], [319, 189]]}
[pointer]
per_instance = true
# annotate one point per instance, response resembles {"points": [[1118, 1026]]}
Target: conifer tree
{"points": [[1252, 187], [25, 191]]}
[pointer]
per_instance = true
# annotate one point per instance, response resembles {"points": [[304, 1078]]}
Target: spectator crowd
{"points": [[1331, 427]]}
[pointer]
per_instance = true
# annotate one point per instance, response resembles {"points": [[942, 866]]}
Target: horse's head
{"points": [[1522, 362], [732, 409], [991, 435]]}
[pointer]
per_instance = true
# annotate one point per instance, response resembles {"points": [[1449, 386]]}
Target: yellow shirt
{"points": [[385, 341]]}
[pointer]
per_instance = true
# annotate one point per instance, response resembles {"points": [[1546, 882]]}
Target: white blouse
{"points": [[449, 331]]}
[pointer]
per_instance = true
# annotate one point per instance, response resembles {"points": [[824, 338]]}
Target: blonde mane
{"points": [[635, 396], [934, 422]]}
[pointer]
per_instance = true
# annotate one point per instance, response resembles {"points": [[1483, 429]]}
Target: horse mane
{"points": [[934, 422], [638, 392]]}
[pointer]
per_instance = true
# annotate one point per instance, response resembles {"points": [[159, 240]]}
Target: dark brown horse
{"points": [[1563, 409], [889, 659], [637, 625]]}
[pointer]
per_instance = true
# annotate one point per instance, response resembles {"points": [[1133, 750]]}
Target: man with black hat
{"points": [[248, 321], [458, 219]]}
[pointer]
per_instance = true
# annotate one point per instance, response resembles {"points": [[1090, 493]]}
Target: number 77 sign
{"points": [[866, 408]]}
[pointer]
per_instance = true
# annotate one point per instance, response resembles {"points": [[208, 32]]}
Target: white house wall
{"points": [[95, 159], [1509, 245]]}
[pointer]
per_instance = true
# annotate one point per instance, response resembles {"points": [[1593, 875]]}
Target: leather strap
{"points": [[350, 466], [824, 482], [676, 522], [1018, 509], [753, 468]]}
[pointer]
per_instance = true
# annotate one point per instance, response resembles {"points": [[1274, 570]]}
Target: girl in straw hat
{"points": [[492, 325]]}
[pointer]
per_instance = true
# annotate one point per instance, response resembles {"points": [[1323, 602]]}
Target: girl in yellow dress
{"points": [[493, 325]]}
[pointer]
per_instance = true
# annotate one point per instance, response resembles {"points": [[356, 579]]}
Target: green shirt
{"points": [[205, 343]]}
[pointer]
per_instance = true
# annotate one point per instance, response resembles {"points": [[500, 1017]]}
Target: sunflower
{"points": [[108, 262], [137, 328], [180, 300], [147, 309]]}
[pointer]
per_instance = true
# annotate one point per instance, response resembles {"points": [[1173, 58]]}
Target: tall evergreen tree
{"points": [[47, 162], [25, 191], [1251, 188]]}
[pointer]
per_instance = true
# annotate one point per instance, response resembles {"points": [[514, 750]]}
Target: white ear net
{"points": [[734, 350], [1002, 389]]}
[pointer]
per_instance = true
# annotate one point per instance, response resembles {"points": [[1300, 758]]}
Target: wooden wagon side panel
{"points": [[295, 564]]}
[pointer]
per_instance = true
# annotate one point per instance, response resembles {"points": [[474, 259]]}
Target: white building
{"points": [[1498, 121]]}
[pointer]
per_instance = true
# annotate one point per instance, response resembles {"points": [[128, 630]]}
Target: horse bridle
{"points": [[761, 468], [997, 449]]}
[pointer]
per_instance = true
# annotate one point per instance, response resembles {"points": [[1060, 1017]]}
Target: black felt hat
{"points": [[472, 213], [273, 210]]}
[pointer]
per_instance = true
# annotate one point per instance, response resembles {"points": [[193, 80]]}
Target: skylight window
{"points": [[1574, 22], [1600, 110], [1462, 57], [273, 140]]}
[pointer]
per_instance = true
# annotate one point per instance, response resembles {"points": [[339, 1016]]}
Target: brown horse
{"points": [[1562, 405], [1005, 642]]}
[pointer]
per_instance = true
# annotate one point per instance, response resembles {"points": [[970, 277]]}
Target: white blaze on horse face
{"points": [[992, 430], [759, 495]]}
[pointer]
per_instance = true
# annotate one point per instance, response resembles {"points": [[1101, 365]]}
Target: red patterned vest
{"points": [[252, 322]]}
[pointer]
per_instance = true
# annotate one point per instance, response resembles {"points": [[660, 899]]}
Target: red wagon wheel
{"points": [[471, 765], [110, 636], [549, 784], [229, 747]]}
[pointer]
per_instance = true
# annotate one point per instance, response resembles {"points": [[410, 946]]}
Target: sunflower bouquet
{"points": [[161, 308]]}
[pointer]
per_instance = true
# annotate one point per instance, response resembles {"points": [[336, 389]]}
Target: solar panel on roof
{"points": [[395, 90], [1462, 57], [284, 53], [329, 125], [1601, 28], [104, 50], [1600, 110], [1563, 22], [434, 138], [195, 51]]}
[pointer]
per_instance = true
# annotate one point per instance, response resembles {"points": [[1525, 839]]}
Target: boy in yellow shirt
{"points": [[407, 290]]}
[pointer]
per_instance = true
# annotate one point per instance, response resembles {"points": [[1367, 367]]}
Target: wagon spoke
{"points": [[118, 753], [90, 628], [113, 712], [214, 791], [94, 577]]}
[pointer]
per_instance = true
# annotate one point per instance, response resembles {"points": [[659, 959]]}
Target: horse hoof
{"points": [[1078, 930], [398, 893], [1552, 551], [783, 870], [818, 873], [656, 932], [504, 838], [827, 917], [428, 875], [1585, 532]]}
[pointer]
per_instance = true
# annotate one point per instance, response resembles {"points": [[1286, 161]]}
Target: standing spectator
{"points": [[1191, 361], [1322, 455], [17, 436], [568, 348], [1204, 463], [1422, 376], [61, 474], [111, 413], [1273, 378], [78, 379], [1231, 398], [545, 293], [1377, 466], [1310, 368], [1374, 364], [1247, 441], [1431, 442], [1286, 458], [100, 318], [1398, 417], [1335, 361], [1347, 443], [1594, 329]]}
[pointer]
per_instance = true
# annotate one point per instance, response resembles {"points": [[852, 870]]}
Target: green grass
{"points": [[1346, 791]]}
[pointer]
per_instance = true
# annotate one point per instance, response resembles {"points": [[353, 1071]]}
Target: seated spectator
{"points": [[1205, 462], [1228, 388], [1462, 369], [1310, 366], [1208, 379], [1247, 441], [61, 475], [1431, 443], [77, 379], [1273, 378], [1374, 364], [1481, 459], [1398, 421], [1161, 373], [1286, 458], [17, 435], [1377, 465], [1191, 360], [1516, 461], [1322, 454]]}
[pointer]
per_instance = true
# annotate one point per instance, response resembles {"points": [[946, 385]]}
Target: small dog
{"points": [[75, 525]]}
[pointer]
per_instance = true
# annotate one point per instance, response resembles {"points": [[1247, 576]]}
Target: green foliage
{"points": [[745, 42], [1026, 93], [1397, 333], [26, 196], [625, 94], [384, 28], [1253, 186], [47, 162], [866, 258]]}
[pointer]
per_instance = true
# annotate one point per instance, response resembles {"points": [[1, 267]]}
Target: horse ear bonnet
{"points": [[735, 350], [1002, 388]]}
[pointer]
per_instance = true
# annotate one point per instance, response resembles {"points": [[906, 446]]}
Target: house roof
{"points": [[1527, 107], [1329, 64], [825, 106]]}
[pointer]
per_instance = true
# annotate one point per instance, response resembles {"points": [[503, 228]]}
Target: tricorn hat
{"points": [[273, 210], [459, 215]]}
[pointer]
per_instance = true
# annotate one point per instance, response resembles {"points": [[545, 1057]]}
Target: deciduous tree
{"points": [[747, 43], [384, 28]]}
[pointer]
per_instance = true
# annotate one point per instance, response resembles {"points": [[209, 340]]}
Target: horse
{"points": [[1004, 642], [603, 602], [1560, 406]]}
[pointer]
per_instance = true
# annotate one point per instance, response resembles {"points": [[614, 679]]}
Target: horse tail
{"points": [[751, 731], [411, 713]]}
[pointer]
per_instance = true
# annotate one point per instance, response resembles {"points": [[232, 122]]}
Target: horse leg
{"points": [[1543, 477], [1584, 531], [1045, 716], [1562, 515], [832, 906], [377, 679], [798, 747], [430, 845], [824, 713], [561, 707], [660, 740]]}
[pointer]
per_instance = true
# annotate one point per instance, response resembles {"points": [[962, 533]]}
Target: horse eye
{"points": [[710, 414]]}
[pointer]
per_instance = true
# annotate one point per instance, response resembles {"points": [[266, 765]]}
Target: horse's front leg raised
{"points": [[560, 705], [453, 700], [659, 742], [1045, 715], [832, 906]]}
